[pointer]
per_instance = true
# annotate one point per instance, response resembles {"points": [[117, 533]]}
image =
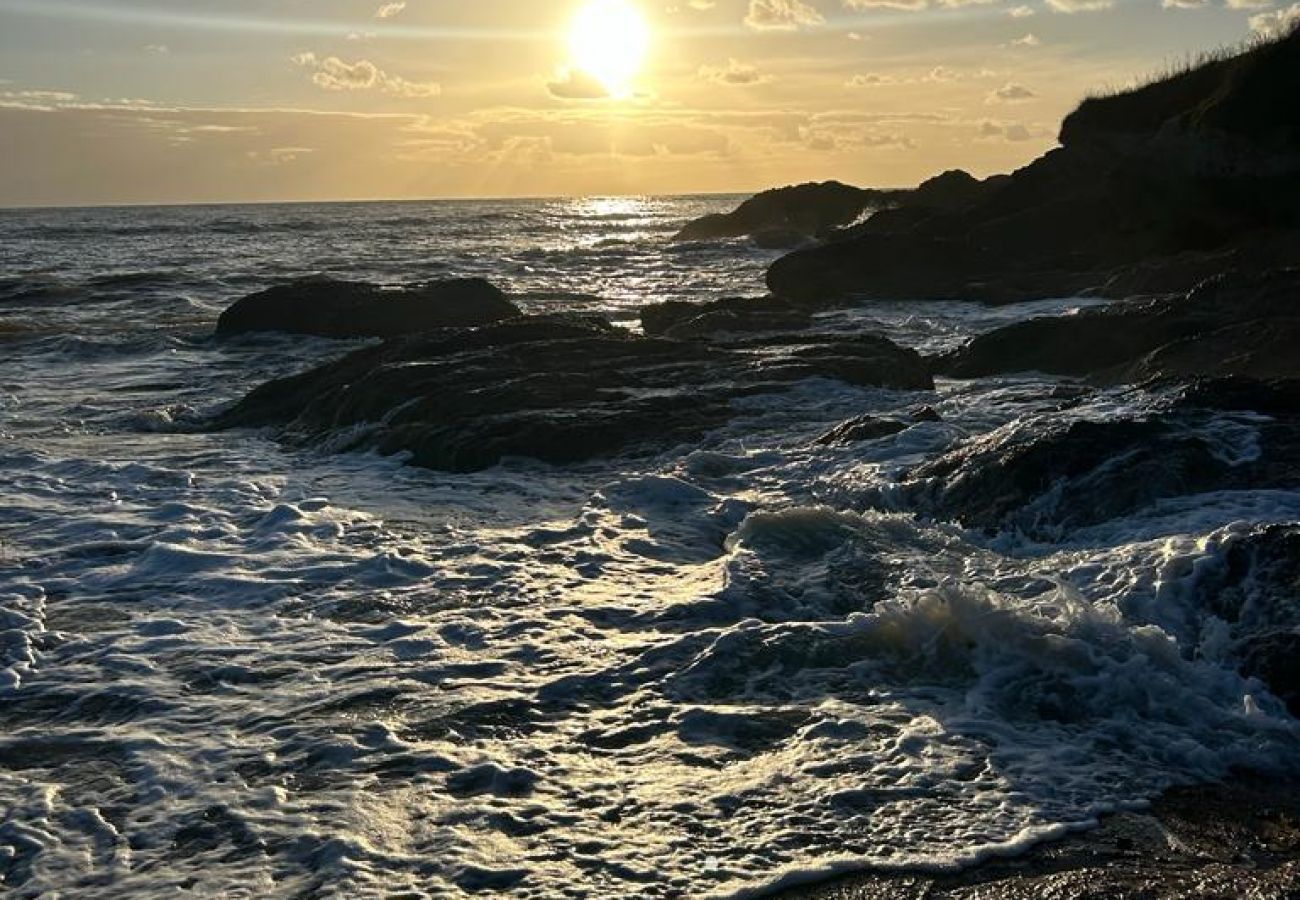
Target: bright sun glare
{"points": [[609, 41]]}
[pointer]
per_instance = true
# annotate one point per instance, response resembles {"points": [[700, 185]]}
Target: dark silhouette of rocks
{"points": [[788, 216], [346, 309], [1233, 324], [555, 388], [1159, 186]]}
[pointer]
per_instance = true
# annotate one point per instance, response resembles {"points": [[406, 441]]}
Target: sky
{"points": [[173, 101]]}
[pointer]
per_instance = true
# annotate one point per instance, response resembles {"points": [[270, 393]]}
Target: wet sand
{"points": [[1238, 840]]}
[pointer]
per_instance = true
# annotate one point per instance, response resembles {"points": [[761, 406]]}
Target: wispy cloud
{"points": [[734, 74], [782, 15], [389, 10], [334, 74], [1011, 92], [1070, 7]]}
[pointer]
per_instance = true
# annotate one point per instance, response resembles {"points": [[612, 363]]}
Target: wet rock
{"points": [[1047, 477], [862, 428], [729, 315], [1256, 585], [346, 309], [926, 414], [560, 389], [1234, 324], [1275, 660], [1258, 348], [780, 239]]}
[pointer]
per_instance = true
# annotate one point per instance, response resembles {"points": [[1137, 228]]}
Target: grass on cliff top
{"points": [[1248, 90]]}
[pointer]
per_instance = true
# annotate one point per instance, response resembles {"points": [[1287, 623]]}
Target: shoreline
{"points": [[1239, 838]]}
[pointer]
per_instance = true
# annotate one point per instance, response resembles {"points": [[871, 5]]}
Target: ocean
{"points": [[234, 668]]}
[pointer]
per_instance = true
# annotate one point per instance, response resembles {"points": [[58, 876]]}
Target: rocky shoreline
{"points": [[1176, 200], [1238, 839]]}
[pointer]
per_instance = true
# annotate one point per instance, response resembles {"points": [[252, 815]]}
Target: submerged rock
{"points": [[347, 309], [559, 389], [862, 428]]}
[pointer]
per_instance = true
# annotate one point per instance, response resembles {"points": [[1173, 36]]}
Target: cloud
{"points": [[1250, 4], [781, 15], [1070, 7], [1029, 40], [36, 100], [870, 79], [1021, 12], [1012, 132], [334, 74], [832, 134], [573, 84], [1278, 22], [701, 4], [1184, 4], [734, 74], [1010, 92], [906, 5], [389, 10]]}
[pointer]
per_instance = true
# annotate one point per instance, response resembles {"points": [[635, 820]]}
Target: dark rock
{"points": [[1045, 478], [1275, 660], [780, 239], [1230, 325], [950, 190], [1156, 187], [787, 216], [862, 428], [1258, 348], [347, 309], [686, 320], [1255, 589], [1257, 584], [926, 414], [556, 388]]}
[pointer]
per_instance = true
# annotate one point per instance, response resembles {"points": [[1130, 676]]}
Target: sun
{"points": [[609, 41]]}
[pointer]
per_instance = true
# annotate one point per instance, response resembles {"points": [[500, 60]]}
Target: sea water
{"points": [[237, 669]]}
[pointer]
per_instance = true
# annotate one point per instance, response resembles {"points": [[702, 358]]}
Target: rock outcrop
{"points": [[788, 216], [727, 316], [1046, 478], [1233, 324], [1163, 185], [347, 309], [555, 388]]}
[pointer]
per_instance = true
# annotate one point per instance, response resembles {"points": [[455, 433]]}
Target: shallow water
{"points": [[247, 670]]}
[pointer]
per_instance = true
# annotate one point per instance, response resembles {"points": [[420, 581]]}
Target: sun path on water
{"points": [[609, 41]]}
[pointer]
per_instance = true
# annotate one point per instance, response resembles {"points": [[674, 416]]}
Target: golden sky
{"points": [[142, 101]]}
